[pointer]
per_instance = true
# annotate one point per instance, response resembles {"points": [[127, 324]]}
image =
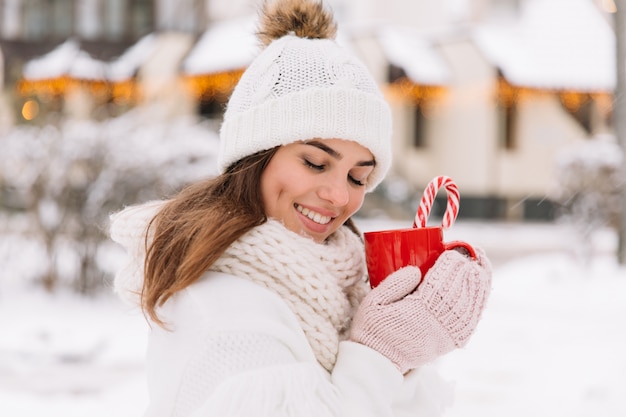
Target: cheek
{"points": [[356, 200], [268, 185], [274, 183]]}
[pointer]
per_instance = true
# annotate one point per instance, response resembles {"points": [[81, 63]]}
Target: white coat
{"points": [[234, 348]]}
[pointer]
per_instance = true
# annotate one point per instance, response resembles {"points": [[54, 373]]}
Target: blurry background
{"points": [[107, 103]]}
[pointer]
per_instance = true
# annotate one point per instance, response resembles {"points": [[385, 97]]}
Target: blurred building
{"points": [[484, 91]]}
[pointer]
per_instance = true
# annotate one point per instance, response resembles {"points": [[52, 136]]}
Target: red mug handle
{"points": [[460, 244]]}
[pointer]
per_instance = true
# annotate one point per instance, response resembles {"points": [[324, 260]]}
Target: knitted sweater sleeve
{"points": [[362, 384], [293, 388], [256, 361]]}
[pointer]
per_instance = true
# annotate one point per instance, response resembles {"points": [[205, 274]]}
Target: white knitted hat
{"points": [[300, 88]]}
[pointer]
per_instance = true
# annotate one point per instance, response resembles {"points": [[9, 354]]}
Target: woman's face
{"points": [[313, 187]]}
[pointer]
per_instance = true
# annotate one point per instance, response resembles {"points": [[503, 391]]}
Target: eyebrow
{"points": [[330, 151]]}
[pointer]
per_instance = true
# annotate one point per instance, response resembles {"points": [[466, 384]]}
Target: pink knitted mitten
{"points": [[413, 321]]}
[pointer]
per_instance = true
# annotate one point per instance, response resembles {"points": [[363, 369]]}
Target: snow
{"points": [[231, 45], [603, 151], [126, 65], [228, 45], [551, 341], [55, 63], [67, 59], [555, 44], [408, 50]]}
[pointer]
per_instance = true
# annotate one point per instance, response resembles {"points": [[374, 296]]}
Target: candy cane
{"points": [[452, 209]]}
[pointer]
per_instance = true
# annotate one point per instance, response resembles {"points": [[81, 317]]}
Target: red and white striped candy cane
{"points": [[426, 203]]}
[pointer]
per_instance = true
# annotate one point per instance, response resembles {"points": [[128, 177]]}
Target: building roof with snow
{"points": [[225, 46], [418, 58], [68, 59], [555, 44]]}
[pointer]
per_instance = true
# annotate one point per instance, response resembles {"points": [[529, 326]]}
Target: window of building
{"points": [[419, 128], [114, 19], [47, 19], [507, 121], [62, 16], [127, 19], [581, 107], [142, 18], [185, 15], [584, 115], [9, 20], [211, 108], [36, 25], [395, 73]]}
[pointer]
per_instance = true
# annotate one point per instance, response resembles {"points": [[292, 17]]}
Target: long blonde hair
{"points": [[194, 229]]}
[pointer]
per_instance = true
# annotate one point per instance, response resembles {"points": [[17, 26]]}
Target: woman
{"points": [[255, 280]]}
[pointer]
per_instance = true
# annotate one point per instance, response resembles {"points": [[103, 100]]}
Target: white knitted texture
{"points": [[221, 356], [294, 390], [300, 89], [321, 283]]}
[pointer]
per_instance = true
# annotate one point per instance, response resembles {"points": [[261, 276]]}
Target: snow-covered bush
{"points": [[67, 179], [590, 178]]}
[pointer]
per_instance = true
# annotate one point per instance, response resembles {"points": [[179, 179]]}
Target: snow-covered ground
{"points": [[551, 343]]}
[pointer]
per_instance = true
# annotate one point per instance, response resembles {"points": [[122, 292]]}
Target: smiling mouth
{"points": [[316, 217]]}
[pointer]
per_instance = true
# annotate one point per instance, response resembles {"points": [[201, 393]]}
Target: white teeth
{"points": [[316, 217]]}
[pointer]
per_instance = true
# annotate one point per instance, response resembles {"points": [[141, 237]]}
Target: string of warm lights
{"points": [[213, 86], [406, 90], [202, 87], [45, 89], [124, 92], [508, 95], [120, 92], [218, 86]]}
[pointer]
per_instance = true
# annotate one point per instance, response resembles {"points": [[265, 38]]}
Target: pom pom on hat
{"points": [[304, 19], [302, 86]]}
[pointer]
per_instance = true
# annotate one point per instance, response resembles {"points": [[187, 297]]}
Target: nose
{"points": [[335, 190]]}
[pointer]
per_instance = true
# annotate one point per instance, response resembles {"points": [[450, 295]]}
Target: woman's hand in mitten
{"points": [[413, 321]]}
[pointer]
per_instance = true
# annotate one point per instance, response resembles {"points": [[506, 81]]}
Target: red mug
{"points": [[389, 250]]}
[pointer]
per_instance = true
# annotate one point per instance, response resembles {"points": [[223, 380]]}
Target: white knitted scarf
{"points": [[322, 283]]}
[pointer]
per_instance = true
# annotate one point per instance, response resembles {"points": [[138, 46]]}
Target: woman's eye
{"points": [[355, 181], [313, 166]]}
